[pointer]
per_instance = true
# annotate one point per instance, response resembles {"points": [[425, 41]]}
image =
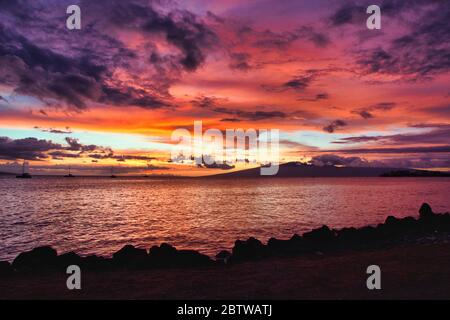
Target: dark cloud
{"points": [[240, 61], [301, 81], [26, 149], [35, 149], [281, 40], [213, 104], [123, 158], [368, 112], [349, 13], [439, 134], [421, 162], [251, 115], [230, 120], [442, 111], [333, 126], [317, 97], [421, 53], [40, 58], [435, 149]]}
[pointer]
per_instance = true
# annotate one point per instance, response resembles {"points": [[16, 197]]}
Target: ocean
{"points": [[100, 215]]}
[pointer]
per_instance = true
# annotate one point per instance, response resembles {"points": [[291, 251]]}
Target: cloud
{"points": [[213, 104], [67, 130], [281, 40], [26, 149], [434, 149], [439, 134], [79, 69], [422, 162], [333, 126], [419, 54], [240, 61], [35, 149], [336, 160], [368, 112], [317, 97], [301, 81], [349, 13]]}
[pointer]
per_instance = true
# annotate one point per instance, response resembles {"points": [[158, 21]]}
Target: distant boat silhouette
{"points": [[24, 175], [112, 174], [69, 175]]}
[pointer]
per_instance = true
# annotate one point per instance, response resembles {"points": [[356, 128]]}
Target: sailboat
{"points": [[24, 175], [112, 173], [69, 175]]}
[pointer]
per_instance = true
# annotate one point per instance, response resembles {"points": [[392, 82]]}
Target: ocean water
{"points": [[100, 215]]}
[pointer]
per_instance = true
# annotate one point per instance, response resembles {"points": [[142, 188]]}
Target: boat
{"points": [[24, 175], [69, 175], [113, 176]]}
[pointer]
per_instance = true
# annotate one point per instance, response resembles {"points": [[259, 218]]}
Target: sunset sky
{"points": [[112, 93]]}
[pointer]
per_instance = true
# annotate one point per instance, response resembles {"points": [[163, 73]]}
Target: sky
{"points": [[111, 94]]}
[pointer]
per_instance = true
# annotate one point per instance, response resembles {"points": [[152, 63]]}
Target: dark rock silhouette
{"points": [[425, 211], [167, 256], [129, 256], [96, 263], [5, 269], [392, 231], [223, 256], [252, 249], [68, 259], [38, 259], [320, 236]]}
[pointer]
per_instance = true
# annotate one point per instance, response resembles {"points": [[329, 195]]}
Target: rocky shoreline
{"points": [[428, 227]]}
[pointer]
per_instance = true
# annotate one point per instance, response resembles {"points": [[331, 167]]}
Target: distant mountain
{"points": [[295, 169]]}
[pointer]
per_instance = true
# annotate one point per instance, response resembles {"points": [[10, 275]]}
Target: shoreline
{"points": [[393, 231], [416, 249]]}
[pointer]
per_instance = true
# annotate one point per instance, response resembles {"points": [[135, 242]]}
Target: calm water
{"points": [[95, 215]]}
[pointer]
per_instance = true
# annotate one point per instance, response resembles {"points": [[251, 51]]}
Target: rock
{"points": [[192, 258], [252, 249], [129, 256], [425, 211], [38, 259], [320, 236], [5, 269], [68, 259], [168, 256], [96, 263], [223, 256], [276, 247], [164, 255]]}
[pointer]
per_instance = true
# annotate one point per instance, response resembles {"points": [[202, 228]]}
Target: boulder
{"points": [[168, 256], [192, 258], [252, 249], [276, 247], [96, 263], [38, 259], [223, 256], [68, 259], [5, 269], [425, 211], [129, 256], [164, 255], [319, 237]]}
